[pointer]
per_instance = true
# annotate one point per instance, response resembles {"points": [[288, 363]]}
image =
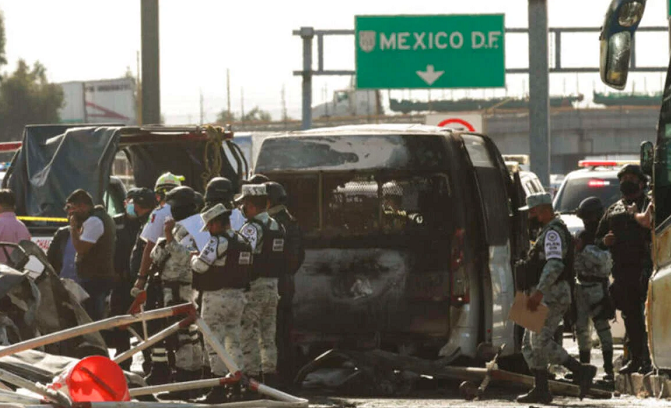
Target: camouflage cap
{"points": [[534, 200]]}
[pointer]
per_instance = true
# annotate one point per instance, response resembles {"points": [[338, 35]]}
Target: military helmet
{"points": [[181, 196], [634, 169], [590, 206], [258, 179], [167, 181], [276, 193], [219, 189]]}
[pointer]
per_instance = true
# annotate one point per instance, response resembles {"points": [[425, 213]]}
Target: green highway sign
{"points": [[436, 51]]}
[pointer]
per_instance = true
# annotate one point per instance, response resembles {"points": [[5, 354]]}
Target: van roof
{"points": [[410, 128]]}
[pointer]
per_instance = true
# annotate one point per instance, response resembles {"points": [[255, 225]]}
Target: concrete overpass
{"points": [[575, 133], [578, 133]]}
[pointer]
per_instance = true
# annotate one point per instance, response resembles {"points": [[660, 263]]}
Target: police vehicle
{"points": [[596, 178]]}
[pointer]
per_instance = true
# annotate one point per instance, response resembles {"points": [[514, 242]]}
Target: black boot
{"points": [[609, 375], [158, 374], [540, 394], [585, 356], [583, 375], [646, 367], [632, 366]]}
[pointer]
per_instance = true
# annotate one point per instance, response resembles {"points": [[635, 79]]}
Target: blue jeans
{"points": [[98, 290]]}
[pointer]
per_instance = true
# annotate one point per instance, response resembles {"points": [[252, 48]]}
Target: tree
{"points": [[225, 117], [257, 115], [26, 97], [3, 59]]}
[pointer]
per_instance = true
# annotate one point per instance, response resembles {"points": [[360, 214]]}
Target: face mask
{"points": [[243, 210], [629, 188], [591, 226], [130, 210]]}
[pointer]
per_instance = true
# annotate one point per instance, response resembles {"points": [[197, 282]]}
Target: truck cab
{"points": [[53, 160], [410, 235]]}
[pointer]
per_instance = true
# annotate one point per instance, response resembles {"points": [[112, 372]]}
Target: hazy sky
{"points": [[200, 39]]}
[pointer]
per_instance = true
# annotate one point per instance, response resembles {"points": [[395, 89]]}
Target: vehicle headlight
{"points": [[630, 14]]}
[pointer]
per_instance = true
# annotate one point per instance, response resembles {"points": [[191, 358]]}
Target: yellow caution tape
{"points": [[50, 219]]}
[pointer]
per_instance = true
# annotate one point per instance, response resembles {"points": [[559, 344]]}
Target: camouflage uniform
{"points": [[222, 308], [260, 316], [592, 267], [552, 248], [176, 287]]}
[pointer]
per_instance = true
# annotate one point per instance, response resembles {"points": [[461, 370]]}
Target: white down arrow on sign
{"points": [[430, 75]]}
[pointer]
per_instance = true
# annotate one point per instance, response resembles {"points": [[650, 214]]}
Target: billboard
{"points": [[101, 101]]}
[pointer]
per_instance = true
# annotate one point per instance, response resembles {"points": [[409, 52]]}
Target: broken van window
{"points": [[370, 205], [351, 152]]}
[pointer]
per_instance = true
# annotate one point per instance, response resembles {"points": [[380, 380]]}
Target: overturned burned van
{"points": [[410, 233]]}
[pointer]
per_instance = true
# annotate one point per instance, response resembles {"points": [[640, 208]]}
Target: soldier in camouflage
{"points": [[266, 237], [592, 268], [221, 272], [174, 253], [546, 273]]}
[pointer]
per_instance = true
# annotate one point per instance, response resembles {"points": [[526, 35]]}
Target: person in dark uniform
{"points": [[127, 227], [93, 235], [294, 255], [629, 245], [138, 205], [546, 274]]}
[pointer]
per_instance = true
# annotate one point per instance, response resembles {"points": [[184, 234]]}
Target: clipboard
{"points": [[524, 317]]}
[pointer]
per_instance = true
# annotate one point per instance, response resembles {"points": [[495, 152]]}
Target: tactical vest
{"points": [[536, 263], [631, 247], [235, 274], [270, 263], [98, 262]]}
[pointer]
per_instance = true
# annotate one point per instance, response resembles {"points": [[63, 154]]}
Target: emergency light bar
{"points": [[605, 163], [598, 183]]}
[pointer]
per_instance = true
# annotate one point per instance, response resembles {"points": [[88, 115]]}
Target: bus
{"points": [[621, 21]]}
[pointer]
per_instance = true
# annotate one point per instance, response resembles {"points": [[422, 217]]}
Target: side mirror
{"points": [[647, 157], [622, 19]]}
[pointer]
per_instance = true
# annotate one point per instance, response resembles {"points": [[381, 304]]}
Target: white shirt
{"points": [[155, 228], [237, 219], [92, 229]]}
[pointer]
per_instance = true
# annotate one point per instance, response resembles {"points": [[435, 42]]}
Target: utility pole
{"points": [[242, 105], [539, 84], [284, 105], [138, 91], [202, 119], [228, 94], [151, 84]]}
